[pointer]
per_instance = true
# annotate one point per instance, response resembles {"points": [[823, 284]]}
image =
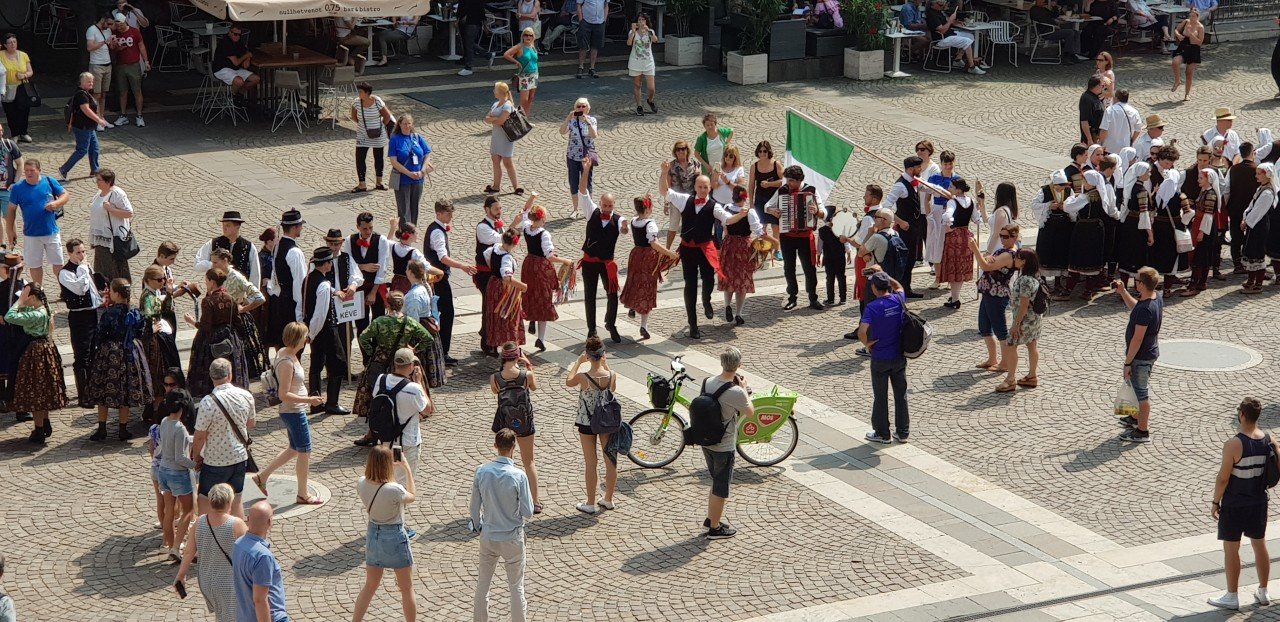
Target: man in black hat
{"points": [[346, 280], [244, 254], [324, 332], [909, 219], [369, 250], [286, 279]]}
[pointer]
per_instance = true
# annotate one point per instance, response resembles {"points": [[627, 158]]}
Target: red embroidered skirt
{"points": [[500, 330], [538, 301], [957, 258], [735, 257], [640, 292]]}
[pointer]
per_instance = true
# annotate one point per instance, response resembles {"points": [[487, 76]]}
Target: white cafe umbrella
{"points": [[282, 10]]}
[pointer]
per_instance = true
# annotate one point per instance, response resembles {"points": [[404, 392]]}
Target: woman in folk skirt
{"points": [[1087, 254], [956, 267], [539, 273], [40, 387], [403, 252], [1133, 236], [1053, 244], [248, 298], [1257, 226], [216, 337], [1168, 214], [158, 345], [1204, 231], [378, 343], [120, 377], [502, 265], [736, 254], [640, 293], [420, 305]]}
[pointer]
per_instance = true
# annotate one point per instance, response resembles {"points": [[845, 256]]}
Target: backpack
{"points": [[271, 384], [896, 258], [1271, 468], [515, 408], [1040, 303], [384, 417], [606, 412], [916, 334], [706, 426]]}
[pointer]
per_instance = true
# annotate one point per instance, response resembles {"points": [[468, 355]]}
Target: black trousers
{"points": [[379, 158], [801, 247], [594, 274], [482, 281], [834, 265], [912, 237], [445, 291], [1237, 236], [1275, 64], [329, 351], [17, 115], [693, 264], [373, 311], [83, 325]]}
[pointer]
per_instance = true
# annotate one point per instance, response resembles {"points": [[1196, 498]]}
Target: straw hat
{"points": [[1224, 114]]}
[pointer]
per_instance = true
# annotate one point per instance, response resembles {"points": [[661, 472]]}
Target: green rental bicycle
{"points": [[764, 439]]}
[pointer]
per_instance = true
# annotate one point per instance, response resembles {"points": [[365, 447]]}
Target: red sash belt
{"points": [[610, 268], [709, 251]]}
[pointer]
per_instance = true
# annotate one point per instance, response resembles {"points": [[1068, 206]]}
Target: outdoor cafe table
{"points": [[268, 58], [212, 30]]}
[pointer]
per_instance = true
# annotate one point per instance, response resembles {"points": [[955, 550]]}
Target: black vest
{"points": [[1139, 200], [241, 253], [1093, 210], [962, 215], [284, 276], [309, 298], [432, 256], [740, 228], [639, 235], [74, 301], [601, 240], [480, 246], [366, 255], [535, 243], [696, 227], [400, 265], [342, 269], [908, 207], [1274, 156], [495, 262]]}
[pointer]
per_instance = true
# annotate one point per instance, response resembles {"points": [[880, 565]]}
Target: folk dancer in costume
{"points": [[1206, 226], [640, 293], [419, 305], [248, 298], [936, 212], [909, 219], [799, 242], [120, 377], [872, 201], [287, 274], [83, 299], [502, 276], [539, 273], [698, 254], [216, 337], [39, 388], [1087, 257], [403, 252], [378, 345], [956, 267], [1257, 226], [323, 330], [13, 338], [489, 233], [346, 281], [157, 336], [266, 265], [741, 225], [1268, 147], [1191, 188], [166, 257], [833, 254], [1053, 244], [598, 265], [1224, 119], [439, 256], [1134, 237], [1239, 184], [1111, 225], [1172, 212], [244, 259], [370, 251]]}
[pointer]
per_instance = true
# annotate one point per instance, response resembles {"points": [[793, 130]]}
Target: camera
{"points": [[577, 113], [396, 453]]}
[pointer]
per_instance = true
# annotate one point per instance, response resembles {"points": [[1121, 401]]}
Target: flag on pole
{"points": [[821, 152]]}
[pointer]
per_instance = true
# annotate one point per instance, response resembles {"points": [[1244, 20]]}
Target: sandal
{"points": [[380, 187], [519, 192], [1030, 382], [987, 366], [359, 189], [257, 481], [1006, 388], [490, 190], [309, 501]]}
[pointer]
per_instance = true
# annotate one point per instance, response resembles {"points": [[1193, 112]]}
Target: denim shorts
{"points": [[299, 430], [1140, 377], [387, 546], [575, 176], [590, 36], [991, 319], [720, 466], [4, 203], [176, 482], [211, 476]]}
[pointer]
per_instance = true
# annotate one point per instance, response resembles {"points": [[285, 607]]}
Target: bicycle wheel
{"points": [[777, 449], [656, 446]]}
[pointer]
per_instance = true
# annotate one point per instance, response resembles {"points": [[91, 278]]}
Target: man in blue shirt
{"points": [[500, 501], [259, 581], [39, 197], [881, 332], [1142, 347]]}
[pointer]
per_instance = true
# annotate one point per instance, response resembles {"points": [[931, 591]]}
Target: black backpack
{"points": [[706, 426], [606, 412], [916, 334], [384, 417], [515, 408], [896, 258], [1040, 302], [1271, 468]]}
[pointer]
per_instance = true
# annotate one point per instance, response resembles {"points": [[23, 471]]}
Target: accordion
{"points": [[796, 212]]}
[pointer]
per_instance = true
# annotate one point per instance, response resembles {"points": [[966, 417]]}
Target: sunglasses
{"points": [[580, 107], [1100, 60], [235, 34], [1004, 236], [682, 149], [528, 36]]}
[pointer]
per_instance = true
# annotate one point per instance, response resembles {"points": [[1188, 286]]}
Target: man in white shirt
{"points": [[130, 14], [699, 257], [1121, 124], [221, 456], [437, 254], [287, 275], [100, 40], [345, 28], [244, 254], [412, 404], [1230, 139], [83, 300], [323, 333], [489, 234], [1155, 129], [370, 252]]}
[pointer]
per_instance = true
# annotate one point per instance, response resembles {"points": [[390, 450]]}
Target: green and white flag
{"points": [[819, 151]]}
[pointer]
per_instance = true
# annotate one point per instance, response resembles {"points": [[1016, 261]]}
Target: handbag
{"points": [[28, 95], [517, 125], [1181, 237], [123, 247], [588, 151], [243, 437], [373, 133]]}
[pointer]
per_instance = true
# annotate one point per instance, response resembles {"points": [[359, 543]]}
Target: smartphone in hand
{"points": [[395, 452]]}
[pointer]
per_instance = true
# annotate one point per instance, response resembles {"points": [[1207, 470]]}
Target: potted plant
{"points": [[750, 64], [683, 49], [866, 21]]}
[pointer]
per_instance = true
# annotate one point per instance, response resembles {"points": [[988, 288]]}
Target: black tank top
{"points": [[1247, 485], [764, 194]]}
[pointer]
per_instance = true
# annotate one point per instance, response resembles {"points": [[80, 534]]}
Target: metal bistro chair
{"points": [[208, 87], [169, 56], [1006, 35], [290, 85], [498, 28], [62, 35], [1038, 44], [338, 89], [939, 57], [223, 101]]}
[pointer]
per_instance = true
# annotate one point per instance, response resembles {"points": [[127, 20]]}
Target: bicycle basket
{"points": [[660, 392]]}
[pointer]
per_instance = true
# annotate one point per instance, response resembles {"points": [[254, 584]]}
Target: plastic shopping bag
{"points": [[1126, 404]]}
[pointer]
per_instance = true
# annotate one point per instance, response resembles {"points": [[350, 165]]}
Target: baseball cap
{"points": [[405, 356], [879, 280]]}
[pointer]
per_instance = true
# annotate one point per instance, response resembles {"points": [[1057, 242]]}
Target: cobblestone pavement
{"points": [[999, 502]]}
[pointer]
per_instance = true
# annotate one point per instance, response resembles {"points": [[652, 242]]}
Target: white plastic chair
{"points": [[169, 56], [1006, 35], [940, 58], [290, 85], [1038, 43]]}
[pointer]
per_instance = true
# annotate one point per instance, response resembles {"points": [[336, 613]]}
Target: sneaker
{"points": [[592, 72], [1228, 600], [1136, 436], [863, 352], [977, 71], [1129, 422], [62, 175], [721, 532], [606, 505], [875, 438], [25, 138], [706, 523], [465, 71], [588, 508], [900, 437], [138, 120], [1261, 597], [122, 121], [175, 554], [411, 533], [984, 65], [582, 72]]}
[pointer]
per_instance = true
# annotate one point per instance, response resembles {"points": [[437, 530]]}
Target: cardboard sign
{"points": [[348, 311]]}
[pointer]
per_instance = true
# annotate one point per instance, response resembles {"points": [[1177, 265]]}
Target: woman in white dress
{"points": [[1006, 213], [640, 64]]}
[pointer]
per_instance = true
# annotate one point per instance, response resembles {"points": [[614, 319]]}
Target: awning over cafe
{"points": [[270, 10]]}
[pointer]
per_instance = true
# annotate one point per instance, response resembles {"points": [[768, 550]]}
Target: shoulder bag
{"points": [[517, 125], [124, 246], [373, 133], [215, 539], [28, 95], [589, 152], [375, 498], [250, 466], [1181, 237]]}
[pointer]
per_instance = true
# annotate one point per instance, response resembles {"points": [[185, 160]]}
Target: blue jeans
{"points": [[575, 176], [991, 320], [1140, 378], [884, 372], [299, 430], [86, 143]]}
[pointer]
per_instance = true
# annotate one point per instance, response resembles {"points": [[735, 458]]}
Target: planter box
{"points": [[683, 51], [863, 65], [752, 69], [796, 69], [826, 42]]}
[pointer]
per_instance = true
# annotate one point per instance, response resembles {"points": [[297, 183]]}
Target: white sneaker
{"points": [[122, 121], [25, 138], [465, 72], [608, 505], [1261, 596], [138, 120], [983, 65], [102, 128], [977, 71], [588, 508], [1229, 600]]}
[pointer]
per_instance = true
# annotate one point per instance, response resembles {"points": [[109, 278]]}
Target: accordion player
{"points": [[797, 212]]}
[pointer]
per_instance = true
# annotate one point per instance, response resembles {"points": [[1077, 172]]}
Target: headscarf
{"points": [[1058, 178], [1264, 136], [1132, 175], [1088, 156], [1170, 187], [1215, 182], [1099, 182], [1272, 175], [1094, 178], [1155, 142], [1216, 145], [1127, 157]]}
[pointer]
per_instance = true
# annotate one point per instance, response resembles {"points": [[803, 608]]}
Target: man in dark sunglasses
{"points": [[232, 64]]}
